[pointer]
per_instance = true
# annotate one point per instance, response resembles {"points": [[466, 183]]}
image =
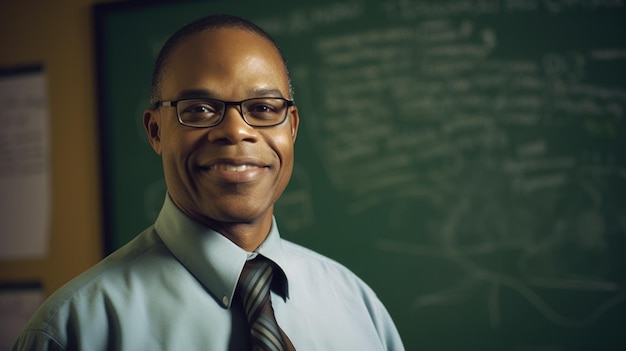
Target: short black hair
{"points": [[197, 27]]}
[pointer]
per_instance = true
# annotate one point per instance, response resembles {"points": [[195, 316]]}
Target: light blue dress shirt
{"points": [[171, 289]]}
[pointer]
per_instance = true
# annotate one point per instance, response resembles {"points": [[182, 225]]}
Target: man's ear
{"points": [[152, 125], [294, 120]]}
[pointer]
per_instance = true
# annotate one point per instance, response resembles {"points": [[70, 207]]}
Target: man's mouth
{"points": [[231, 168]]}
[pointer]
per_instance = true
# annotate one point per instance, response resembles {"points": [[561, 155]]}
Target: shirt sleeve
{"points": [[387, 330], [36, 340], [385, 327]]}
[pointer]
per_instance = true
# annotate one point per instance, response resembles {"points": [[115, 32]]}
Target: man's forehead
{"points": [[225, 46], [207, 58]]}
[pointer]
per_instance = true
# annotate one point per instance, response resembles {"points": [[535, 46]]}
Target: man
{"points": [[224, 125]]}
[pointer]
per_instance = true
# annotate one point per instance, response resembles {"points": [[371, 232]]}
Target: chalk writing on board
{"points": [[416, 9], [435, 121], [297, 21]]}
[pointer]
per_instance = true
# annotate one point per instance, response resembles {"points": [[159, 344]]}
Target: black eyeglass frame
{"points": [[239, 104]]}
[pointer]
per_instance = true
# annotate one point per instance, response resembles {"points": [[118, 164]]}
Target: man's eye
{"points": [[200, 109], [260, 108]]}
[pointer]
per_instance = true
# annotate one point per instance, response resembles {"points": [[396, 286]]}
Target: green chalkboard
{"points": [[466, 158]]}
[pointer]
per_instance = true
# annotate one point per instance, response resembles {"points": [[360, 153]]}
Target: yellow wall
{"points": [[59, 34]]}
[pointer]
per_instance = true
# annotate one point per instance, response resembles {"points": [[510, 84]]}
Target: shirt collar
{"points": [[213, 259]]}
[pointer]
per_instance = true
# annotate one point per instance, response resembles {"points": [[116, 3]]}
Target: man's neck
{"points": [[248, 236]]}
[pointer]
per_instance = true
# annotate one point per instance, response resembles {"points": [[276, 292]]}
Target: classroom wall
{"points": [[59, 35]]}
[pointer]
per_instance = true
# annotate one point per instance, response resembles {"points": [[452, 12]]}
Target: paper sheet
{"points": [[17, 305], [24, 165]]}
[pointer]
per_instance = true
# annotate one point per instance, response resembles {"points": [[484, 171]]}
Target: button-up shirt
{"points": [[172, 287]]}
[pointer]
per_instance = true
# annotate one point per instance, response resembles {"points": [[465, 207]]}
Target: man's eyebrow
{"points": [[267, 92], [210, 94], [195, 93]]}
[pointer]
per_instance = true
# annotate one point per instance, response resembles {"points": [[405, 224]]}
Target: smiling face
{"points": [[231, 173]]}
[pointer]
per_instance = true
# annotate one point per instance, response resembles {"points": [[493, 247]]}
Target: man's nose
{"points": [[233, 128]]}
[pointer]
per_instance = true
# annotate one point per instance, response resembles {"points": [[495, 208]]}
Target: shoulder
{"points": [[87, 294], [130, 256], [321, 286], [303, 255], [318, 268]]}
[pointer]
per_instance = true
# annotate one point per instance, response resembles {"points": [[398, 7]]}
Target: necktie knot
{"points": [[254, 286], [253, 290]]}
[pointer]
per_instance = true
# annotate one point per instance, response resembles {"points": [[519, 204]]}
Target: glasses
{"points": [[203, 113]]}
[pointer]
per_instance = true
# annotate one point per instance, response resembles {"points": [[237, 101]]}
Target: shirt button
{"points": [[225, 300]]}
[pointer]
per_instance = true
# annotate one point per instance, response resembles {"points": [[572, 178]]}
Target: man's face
{"points": [[232, 172]]}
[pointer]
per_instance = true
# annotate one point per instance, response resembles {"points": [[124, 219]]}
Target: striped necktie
{"points": [[253, 289]]}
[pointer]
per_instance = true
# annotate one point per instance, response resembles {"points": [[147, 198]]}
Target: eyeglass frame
{"points": [[239, 104]]}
